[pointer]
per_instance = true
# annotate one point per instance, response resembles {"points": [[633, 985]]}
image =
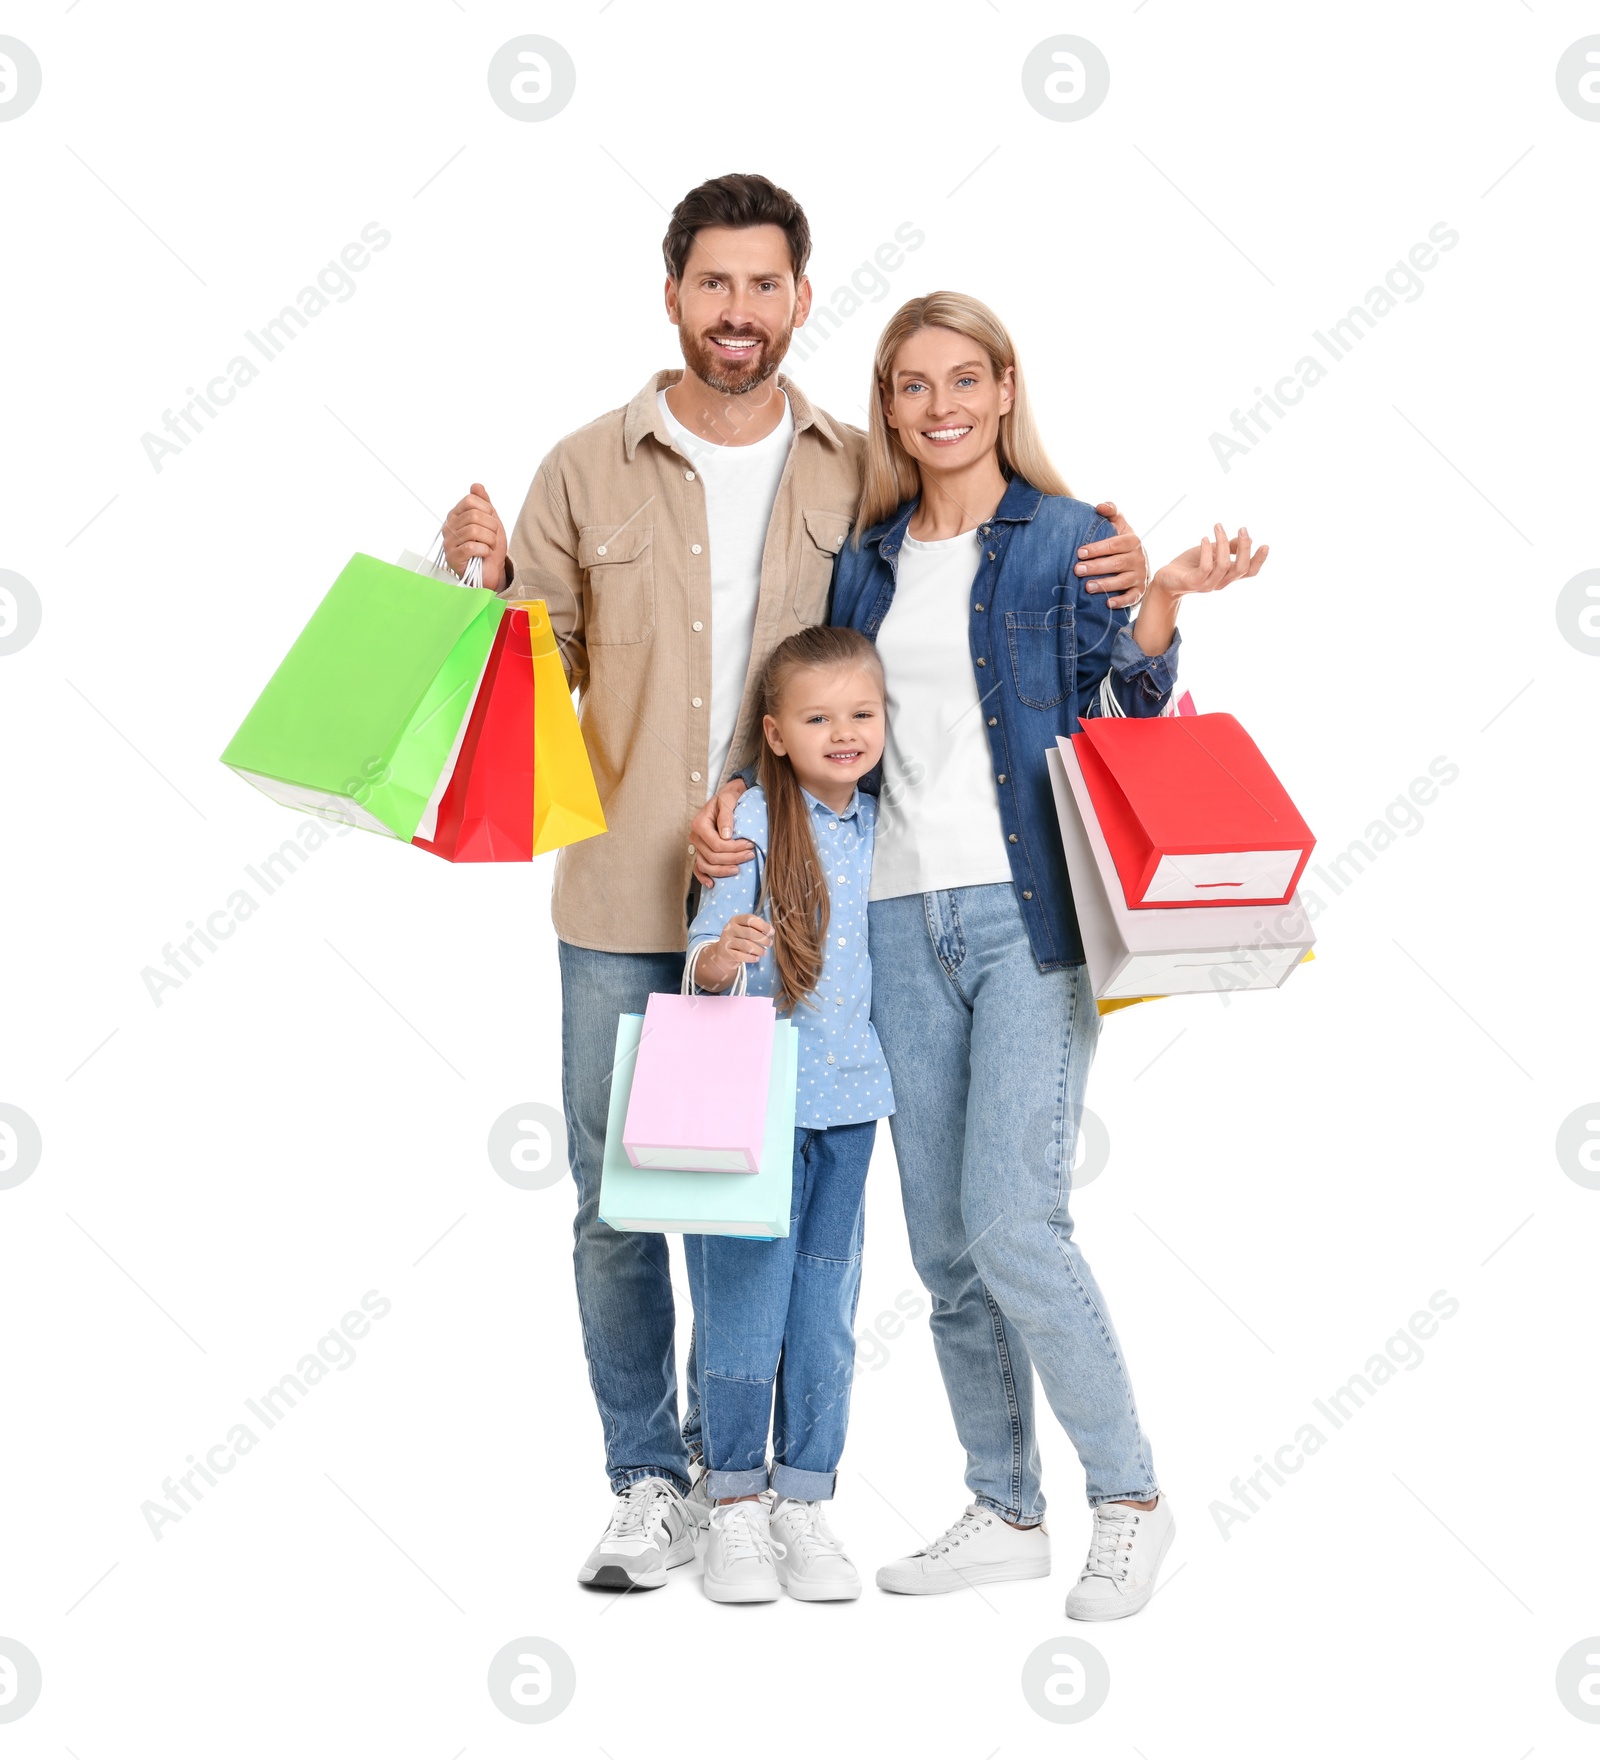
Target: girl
{"points": [[774, 1320]]}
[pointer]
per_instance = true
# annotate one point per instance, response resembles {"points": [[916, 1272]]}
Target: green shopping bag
{"points": [[362, 719], [657, 1200]]}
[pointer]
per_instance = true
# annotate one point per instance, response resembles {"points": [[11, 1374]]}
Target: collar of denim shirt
{"points": [[1018, 505]]}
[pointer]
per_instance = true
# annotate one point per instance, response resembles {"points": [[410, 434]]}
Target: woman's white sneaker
{"points": [[1124, 1560], [980, 1548], [813, 1566], [741, 1555], [649, 1533]]}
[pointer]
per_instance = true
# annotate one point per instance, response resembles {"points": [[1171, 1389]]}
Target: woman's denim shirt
{"points": [[1046, 653]]}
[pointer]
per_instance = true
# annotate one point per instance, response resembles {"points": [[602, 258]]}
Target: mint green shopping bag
{"points": [[656, 1200], [361, 721]]}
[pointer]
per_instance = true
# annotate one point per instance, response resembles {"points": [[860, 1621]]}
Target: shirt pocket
{"points": [[619, 562], [1043, 654], [824, 537]]}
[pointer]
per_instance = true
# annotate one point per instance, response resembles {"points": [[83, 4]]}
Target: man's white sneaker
{"points": [[698, 1503], [649, 1533], [813, 1565], [741, 1555], [1125, 1556], [980, 1548]]}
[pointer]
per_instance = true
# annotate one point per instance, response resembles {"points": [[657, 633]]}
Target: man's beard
{"points": [[734, 381]]}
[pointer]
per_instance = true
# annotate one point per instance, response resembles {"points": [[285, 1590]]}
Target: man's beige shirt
{"points": [[613, 538]]}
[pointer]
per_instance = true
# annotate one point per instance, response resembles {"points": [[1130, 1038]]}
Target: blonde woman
{"points": [[967, 570]]}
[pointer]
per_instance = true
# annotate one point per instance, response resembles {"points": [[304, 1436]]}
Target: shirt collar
{"points": [[849, 812], [644, 413], [1018, 505]]}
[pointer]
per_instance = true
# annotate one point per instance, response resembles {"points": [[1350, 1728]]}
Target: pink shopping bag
{"points": [[699, 1100]]}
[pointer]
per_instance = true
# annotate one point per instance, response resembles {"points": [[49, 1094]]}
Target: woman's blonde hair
{"points": [[891, 477]]}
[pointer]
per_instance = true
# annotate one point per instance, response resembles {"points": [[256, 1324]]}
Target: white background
{"points": [[302, 1120]]}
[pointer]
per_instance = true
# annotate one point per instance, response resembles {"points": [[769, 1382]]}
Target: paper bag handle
{"points": [[436, 562], [739, 987]]}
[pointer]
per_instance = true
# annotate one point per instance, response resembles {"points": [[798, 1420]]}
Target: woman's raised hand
{"points": [[1210, 565]]}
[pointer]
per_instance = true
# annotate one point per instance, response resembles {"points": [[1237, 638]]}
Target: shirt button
{"points": [[833, 824], [695, 703], [838, 1002], [688, 476], [993, 721], [697, 625], [830, 1057], [991, 556], [601, 551], [1002, 773], [694, 776], [977, 607], [695, 548], [842, 879], [1012, 838], [841, 938], [982, 661], [1027, 895]]}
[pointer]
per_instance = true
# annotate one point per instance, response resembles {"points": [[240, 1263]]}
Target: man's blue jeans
{"points": [[783, 1312], [989, 1057], [624, 1286]]}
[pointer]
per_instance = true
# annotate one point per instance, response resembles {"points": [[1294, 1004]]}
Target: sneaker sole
{"points": [[618, 1576], [1126, 1606], [740, 1592], [972, 1577], [822, 1591]]}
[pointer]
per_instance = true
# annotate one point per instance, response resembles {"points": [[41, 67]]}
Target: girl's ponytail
{"points": [[794, 890]]}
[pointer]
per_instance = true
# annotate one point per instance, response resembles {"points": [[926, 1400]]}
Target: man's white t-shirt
{"points": [[741, 485], [939, 809]]}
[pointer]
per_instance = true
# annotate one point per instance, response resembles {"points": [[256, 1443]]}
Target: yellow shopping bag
{"points": [[566, 803]]}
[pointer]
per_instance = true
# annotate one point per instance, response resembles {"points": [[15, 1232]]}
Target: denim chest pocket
{"points": [[622, 583], [1043, 654]]}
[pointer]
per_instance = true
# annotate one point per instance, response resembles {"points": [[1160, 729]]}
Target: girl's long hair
{"points": [[794, 889], [891, 476]]}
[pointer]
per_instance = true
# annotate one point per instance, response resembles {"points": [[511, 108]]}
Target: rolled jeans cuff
{"points": [[802, 1486], [747, 1482], [632, 1475]]}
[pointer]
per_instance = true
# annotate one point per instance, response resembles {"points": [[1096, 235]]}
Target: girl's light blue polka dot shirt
{"points": [[843, 1076]]}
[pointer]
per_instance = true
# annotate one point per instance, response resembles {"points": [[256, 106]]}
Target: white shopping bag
{"points": [[1173, 952]]}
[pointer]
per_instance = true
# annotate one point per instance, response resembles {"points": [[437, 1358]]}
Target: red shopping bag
{"points": [[486, 811], [1191, 812]]}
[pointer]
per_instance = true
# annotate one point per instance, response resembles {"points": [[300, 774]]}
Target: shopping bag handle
{"points": [[474, 575], [739, 987]]}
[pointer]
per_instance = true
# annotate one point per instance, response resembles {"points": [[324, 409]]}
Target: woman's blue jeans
{"points": [[990, 1057]]}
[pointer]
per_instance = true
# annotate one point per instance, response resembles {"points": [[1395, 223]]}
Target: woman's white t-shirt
{"points": [[939, 807]]}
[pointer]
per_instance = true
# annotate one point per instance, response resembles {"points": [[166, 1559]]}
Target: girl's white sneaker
{"points": [[813, 1565], [980, 1548], [1125, 1554], [741, 1555]]}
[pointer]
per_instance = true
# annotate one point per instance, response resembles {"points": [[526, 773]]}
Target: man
{"points": [[675, 541]]}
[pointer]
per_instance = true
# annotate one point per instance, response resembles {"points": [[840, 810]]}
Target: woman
{"points": [[966, 570]]}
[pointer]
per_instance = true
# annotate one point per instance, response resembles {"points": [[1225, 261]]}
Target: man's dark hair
{"points": [[742, 198]]}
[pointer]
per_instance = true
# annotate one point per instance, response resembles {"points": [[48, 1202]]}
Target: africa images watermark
{"points": [[335, 282], [1402, 282], [335, 1350], [1401, 1350], [183, 961], [1402, 817]]}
